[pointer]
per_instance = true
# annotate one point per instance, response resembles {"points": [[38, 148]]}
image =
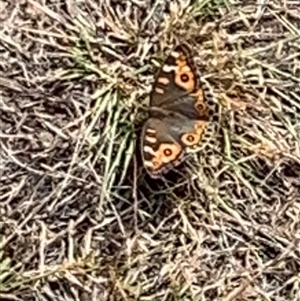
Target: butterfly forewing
{"points": [[176, 77]]}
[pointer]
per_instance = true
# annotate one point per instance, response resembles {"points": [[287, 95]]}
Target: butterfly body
{"points": [[178, 115]]}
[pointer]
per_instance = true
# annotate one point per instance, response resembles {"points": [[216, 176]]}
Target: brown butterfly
{"points": [[179, 114]]}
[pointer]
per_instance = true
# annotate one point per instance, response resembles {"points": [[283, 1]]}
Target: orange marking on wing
{"points": [[175, 54], [190, 139], [150, 131], [150, 139], [200, 104], [163, 80], [169, 68], [184, 77], [166, 153], [194, 138], [159, 91]]}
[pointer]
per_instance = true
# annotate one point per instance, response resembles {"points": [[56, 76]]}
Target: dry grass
{"points": [[80, 220]]}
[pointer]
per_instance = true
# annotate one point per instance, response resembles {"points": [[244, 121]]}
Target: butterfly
{"points": [[179, 114]]}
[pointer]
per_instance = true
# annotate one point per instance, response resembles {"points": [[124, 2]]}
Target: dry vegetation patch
{"points": [[80, 219]]}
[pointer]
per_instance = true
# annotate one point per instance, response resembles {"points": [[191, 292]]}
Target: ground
{"points": [[80, 218]]}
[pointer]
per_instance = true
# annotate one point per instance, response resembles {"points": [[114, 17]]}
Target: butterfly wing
{"points": [[177, 86], [176, 77], [179, 113], [166, 139]]}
